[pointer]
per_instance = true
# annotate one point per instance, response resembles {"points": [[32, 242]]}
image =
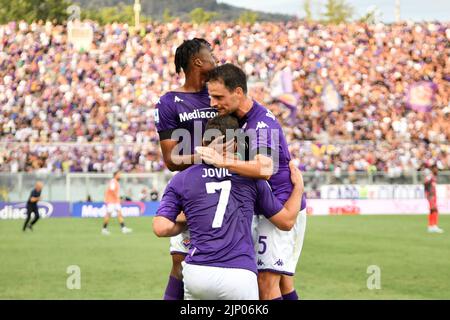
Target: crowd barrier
{"points": [[17, 210]]}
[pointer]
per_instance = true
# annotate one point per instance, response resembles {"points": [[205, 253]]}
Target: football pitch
{"points": [[337, 252]]}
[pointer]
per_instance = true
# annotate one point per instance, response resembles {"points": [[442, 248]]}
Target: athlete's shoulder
{"points": [[189, 172], [166, 99], [262, 118]]}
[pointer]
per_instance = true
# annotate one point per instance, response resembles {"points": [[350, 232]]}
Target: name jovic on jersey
{"points": [[219, 207]]}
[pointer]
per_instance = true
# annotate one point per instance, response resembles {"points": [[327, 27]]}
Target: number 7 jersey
{"points": [[219, 207]]}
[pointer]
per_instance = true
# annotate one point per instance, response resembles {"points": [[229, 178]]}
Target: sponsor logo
{"points": [[178, 99], [197, 114], [91, 211], [19, 210], [244, 126], [187, 243], [270, 115], [344, 210], [261, 125], [279, 263], [260, 263]]}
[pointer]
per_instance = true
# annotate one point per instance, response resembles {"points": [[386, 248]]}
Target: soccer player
{"points": [[219, 207], [112, 200], [277, 251], [32, 206], [430, 194], [186, 109]]}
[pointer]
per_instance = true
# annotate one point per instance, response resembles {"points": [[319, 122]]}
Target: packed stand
{"points": [[65, 110]]}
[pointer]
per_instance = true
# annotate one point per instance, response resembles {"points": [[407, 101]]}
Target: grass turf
{"points": [[336, 254]]}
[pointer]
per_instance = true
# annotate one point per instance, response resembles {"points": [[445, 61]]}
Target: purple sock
{"points": [[279, 298], [174, 290], [290, 296]]}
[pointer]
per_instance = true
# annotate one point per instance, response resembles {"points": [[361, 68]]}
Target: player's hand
{"points": [[211, 156], [218, 145], [181, 218], [296, 176]]}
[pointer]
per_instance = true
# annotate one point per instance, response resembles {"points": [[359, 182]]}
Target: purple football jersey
{"points": [[219, 207], [267, 137], [184, 110]]}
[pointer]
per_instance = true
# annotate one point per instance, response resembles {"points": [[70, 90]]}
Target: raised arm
{"points": [[170, 220], [283, 217], [176, 162], [259, 168], [286, 217]]}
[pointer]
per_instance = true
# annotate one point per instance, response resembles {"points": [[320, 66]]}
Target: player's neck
{"points": [[244, 108], [194, 84]]}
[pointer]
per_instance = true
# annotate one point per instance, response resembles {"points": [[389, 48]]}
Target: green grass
{"points": [[333, 265]]}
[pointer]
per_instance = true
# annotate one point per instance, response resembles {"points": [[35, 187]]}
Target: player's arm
{"points": [[259, 168], [164, 227], [283, 217], [166, 120], [173, 161], [168, 221]]}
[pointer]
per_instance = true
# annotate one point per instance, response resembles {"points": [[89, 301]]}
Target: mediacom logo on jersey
{"points": [[198, 114]]}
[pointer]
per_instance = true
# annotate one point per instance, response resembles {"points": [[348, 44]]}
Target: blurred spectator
{"points": [[143, 195], [128, 196], [154, 195]]}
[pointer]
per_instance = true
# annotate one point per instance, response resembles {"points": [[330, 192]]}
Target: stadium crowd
{"points": [[80, 111]]}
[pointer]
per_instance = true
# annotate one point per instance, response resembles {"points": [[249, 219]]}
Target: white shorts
{"points": [[276, 250], [216, 283], [113, 208], [180, 243]]}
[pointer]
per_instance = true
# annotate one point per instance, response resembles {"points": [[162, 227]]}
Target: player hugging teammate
{"points": [[234, 191]]}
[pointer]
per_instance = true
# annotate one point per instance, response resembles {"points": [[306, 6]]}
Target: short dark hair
{"points": [[115, 173], [222, 124], [186, 50], [230, 75]]}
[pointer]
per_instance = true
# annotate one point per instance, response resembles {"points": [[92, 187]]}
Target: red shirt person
{"points": [[431, 196]]}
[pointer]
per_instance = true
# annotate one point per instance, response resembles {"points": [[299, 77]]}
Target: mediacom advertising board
{"points": [[129, 209], [18, 210]]}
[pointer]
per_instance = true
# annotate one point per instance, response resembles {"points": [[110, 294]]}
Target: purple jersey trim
{"points": [[276, 271]]}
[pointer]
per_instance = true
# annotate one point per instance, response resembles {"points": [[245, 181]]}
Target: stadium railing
{"points": [[75, 187]]}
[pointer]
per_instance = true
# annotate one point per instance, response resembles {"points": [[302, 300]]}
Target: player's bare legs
{"points": [[175, 286], [287, 288], [269, 285], [122, 222], [177, 269], [120, 217], [105, 224]]}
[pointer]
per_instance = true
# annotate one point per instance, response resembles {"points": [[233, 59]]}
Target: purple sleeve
{"points": [[166, 118], [171, 204], [266, 203], [261, 135]]}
